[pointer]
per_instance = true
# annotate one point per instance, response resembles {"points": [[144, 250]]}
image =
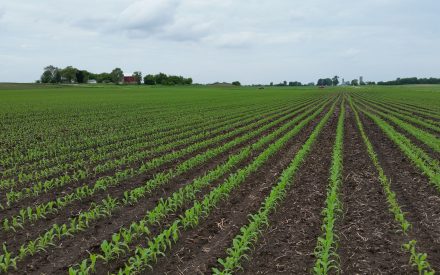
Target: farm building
{"points": [[129, 80]]}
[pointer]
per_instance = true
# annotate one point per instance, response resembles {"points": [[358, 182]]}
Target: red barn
{"points": [[129, 80]]}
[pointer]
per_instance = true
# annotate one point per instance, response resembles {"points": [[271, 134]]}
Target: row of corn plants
{"points": [[132, 157], [144, 256], [426, 113], [92, 133], [421, 159], [249, 234], [42, 210], [414, 110], [95, 156], [108, 206], [184, 195], [69, 144], [417, 259], [44, 170], [122, 139], [429, 139], [325, 251], [402, 114]]}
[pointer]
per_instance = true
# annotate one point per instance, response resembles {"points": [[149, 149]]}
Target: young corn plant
{"points": [[417, 259], [325, 251], [191, 217], [423, 161], [249, 234]]}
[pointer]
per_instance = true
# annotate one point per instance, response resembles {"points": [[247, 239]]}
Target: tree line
{"points": [[69, 74], [410, 80]]}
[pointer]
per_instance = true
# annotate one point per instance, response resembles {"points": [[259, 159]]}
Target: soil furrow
{"points": [[287, 245], [199, 248], [416, 195], [369, 242], [103, 229], [61, 191]]}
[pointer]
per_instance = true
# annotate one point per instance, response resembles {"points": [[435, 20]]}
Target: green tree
{"points": [[335, 80], [138, 77], [149, 79], [161, 79], [117, 75], [82, 76], [68, 74], [56, 76], [46, 77], [236, 83], [328, 82], [51, 74], [354, 82]]}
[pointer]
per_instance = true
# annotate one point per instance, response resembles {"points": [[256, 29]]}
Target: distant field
{"points": [[224, 180]]}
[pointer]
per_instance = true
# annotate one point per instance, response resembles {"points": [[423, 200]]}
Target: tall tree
{"points": [[117, 75], [82, 76], [354, 82], [51, 74], [328, 82], [149, 79], [138, 77], [46, 77], [335, 80], [68, 74]]}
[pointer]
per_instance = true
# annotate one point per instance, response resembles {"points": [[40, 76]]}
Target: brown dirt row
{"points": [[107, 159], [56, 192], [369, 242], [428, 150], [31, 231], [125, 138], [199, 248], [430, 131], [199, 196], [287, 245], [415, 194], [401, 107], [52, 260]]}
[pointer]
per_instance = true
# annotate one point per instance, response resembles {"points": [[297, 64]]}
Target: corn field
{"points": [[220, 180]]}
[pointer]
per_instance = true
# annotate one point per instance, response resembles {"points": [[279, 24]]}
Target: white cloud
{"points": [[265, 40], [147, 15]]}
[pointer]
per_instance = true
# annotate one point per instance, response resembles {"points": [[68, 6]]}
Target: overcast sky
{"points": [[254, 41]]}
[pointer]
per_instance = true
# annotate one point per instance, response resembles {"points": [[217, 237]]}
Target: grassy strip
{"points": [[325, 251], [416, 259], [143, 257], [249, 233], [425, 163]]}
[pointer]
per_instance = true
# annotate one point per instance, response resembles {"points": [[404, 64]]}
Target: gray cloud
{"points": [[253, 41]]}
